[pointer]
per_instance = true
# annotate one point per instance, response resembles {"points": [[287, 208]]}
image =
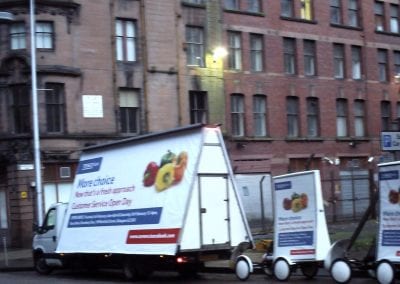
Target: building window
{"points": [[336, 12], [256, 52], [125, 40], [44, 35], [341, 118], [235, 50], [356, 62], [396, 59], [383, 65], [237, 114], [232, 4], [394, 18], [198, 107], [56, 192], [254, 6], [292, 112], [198, 2], [129, 111], [18, 36], [195, 46], [312, 117], [352, 13], [306, 10], [289, 55], [55, 107], [359, 118], [20, 107], [398, 115], [338, 60], [386, 115], [309, 58], [3, 210], [379, 16], [260, 115], [287, 8]]}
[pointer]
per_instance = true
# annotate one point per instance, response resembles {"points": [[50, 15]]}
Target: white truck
{"points": [[159, 201]]}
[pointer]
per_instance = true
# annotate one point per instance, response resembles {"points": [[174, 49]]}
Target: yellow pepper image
{"points": [[165, 177], [296, 205]]}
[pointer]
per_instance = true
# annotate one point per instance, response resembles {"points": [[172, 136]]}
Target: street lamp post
{"points": [[35, 114]]}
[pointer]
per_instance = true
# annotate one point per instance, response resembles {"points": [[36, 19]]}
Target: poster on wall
{"points": [[389, 212], [300, 231]]}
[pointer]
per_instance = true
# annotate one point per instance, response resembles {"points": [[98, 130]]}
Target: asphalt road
{"points": [[109, 276]]}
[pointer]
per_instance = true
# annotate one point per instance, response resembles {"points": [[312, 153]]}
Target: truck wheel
{"points": [[41, 266], [340, 271], [309, 270], [136, 271], [282, 269], [385, 273], [188, 270]]}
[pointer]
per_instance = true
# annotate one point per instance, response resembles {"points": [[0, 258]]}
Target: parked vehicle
{"points": [[159, 201], [382, 261]]}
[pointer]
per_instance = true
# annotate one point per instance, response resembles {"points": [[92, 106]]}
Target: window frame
{"points": [[129, 111], [237, 115], [260, 115], [379, 16], [126, 40], [306, 10], [194, 37], [43, 35], [386, 115], [55, 107], [289, 56], [383, 65], [353, 17], [17, 36], [235, 50], [339, 60], [253, 6], [356, 62], [313, 124], [396, 62], [394, 18], [336, 16], [287, 8], [342, 113], [359, 118], [310, 57], [293, 116], [20, 105], [198, 114], [256, 53], [232, 5]]}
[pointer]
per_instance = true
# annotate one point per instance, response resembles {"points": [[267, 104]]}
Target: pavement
{"points": [[20, 259]]}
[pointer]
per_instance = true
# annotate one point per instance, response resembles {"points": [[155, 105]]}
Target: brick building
{"points": [[305, 85]]}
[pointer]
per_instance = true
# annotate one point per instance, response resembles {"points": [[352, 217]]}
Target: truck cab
{"points": [[46, 238]]}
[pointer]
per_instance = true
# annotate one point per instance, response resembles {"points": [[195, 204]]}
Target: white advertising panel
{"points": [[131, 199], [295, 217], [389, 222]]}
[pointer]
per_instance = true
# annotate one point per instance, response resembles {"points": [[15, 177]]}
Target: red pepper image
{"points": [[150, 174]]}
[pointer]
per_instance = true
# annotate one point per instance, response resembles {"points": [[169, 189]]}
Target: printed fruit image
{"points": [[304, 200], [165, 177], [393, 196], [180, 166], [287, 204], [150, 174], [296, 202], [169, 157], [297, 205]]}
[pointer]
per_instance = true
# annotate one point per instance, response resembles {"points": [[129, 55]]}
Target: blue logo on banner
{"points": [[283, 185], [141, 216], [89, 166], [388, 175], [387, 141]]}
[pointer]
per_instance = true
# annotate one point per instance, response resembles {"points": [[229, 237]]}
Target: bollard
{"points": [[5, 251]]}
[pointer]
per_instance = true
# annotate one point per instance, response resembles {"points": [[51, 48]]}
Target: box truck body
{"points": [[147, 198]]}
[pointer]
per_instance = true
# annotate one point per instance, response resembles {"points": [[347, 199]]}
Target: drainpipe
{"points": [[145, 64], [178, 16]]}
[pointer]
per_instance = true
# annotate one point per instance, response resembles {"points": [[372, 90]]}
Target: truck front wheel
{"points": [[40, 264]]}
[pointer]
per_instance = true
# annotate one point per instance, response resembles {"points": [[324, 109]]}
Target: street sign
{"points": [[390, 141]]}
